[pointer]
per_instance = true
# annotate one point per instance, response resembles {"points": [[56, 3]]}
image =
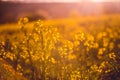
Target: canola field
{"points": [[75, 48]]}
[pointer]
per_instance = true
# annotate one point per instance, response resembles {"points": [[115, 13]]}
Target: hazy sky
{"points": [[63, 0]]}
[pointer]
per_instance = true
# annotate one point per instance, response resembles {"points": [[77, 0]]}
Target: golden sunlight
{"points": [[59, 40], [61, 1]]}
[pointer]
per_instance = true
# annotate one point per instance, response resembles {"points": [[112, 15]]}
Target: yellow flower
{"points": [[53, 60], [102, 65], [71, 56], [23, 21], [111, 46], [105, 42], [90, 37], [18, 67], [80, 36], [107, 71], [101, 50], [76, 43], [69, 45], [112, 55]]}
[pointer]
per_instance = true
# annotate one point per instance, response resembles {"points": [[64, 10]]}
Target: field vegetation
{"points": [[76, 48]]}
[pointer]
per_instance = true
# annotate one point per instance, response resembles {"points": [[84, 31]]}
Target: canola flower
{"points": [[44, 53]]}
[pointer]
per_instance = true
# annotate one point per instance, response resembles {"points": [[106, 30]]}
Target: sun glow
{"points": [[105, 0], [62, 0], [44, 0]]}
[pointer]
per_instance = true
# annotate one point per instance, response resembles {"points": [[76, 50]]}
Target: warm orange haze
{"points": [[59, 40]]}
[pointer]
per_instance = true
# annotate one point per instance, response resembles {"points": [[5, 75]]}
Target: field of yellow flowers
{"points": [[81, 48]]}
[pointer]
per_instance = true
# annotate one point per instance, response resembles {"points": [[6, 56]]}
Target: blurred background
{"points": [[12, 10]]}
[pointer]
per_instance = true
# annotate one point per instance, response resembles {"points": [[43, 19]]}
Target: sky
{"points": [[64, 0]]}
